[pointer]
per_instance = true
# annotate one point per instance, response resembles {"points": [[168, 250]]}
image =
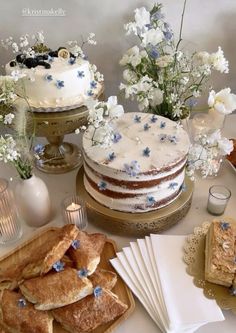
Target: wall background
{"points": [[208, 24]]}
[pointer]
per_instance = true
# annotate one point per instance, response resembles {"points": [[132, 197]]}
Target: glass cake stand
{"points": [[136, 224], [58, 156]]}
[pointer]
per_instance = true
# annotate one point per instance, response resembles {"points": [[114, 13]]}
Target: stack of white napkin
{"points": [[154, 270]]}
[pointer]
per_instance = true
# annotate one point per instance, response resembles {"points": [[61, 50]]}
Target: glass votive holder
{"points": [[74, 211], [219, 196], [10, 226]]}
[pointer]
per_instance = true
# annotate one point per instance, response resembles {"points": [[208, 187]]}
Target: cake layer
{"points": [[137, 204], [63, 84], [143, 170]]}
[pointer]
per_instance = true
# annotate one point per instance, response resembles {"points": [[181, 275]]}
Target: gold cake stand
{"points": [[58, 156], [135, 224]]}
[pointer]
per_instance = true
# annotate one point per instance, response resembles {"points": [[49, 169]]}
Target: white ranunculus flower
{"points": [[115, 110], [164, 61], [152, 36], [223, 101], [219, 62], [225, 146], [129, 75], [142, 17], [143, 103], [144, 84], [132, 57], [156, 97], [103, 135]]}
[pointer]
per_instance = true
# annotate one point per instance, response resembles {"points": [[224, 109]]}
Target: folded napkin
{"points": [[154, 270]]}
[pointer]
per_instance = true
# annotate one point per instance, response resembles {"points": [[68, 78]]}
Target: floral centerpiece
{"points": [[163, 78]]}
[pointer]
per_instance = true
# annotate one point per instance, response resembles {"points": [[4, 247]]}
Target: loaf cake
{"points": [[220, 252], [143, 169]]}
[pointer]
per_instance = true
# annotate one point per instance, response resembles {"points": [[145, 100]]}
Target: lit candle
{"points": [[74, 212], [218, 199]]}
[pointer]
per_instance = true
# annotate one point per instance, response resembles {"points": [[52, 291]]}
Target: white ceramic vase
{"points": [[33, 201]]}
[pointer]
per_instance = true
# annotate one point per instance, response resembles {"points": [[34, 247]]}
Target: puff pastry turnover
{"points": [[55, 290], [18, 318], [103, 278], [90, 312], [87, 255], [51, 251]]}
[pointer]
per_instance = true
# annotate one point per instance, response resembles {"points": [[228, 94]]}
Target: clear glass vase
{"points": [[10, 226]]}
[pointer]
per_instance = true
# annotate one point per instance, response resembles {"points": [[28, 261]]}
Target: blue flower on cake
{"points": [[50, 59], [75, 244], [72, 61], [97, 291], [116, 137], [82, 273], [172, 139], [48, 77], [146, 127], [172, 185], [132, 169], [102, 185], [58, 266], [137, 119], [80, 74], [162, 124], [146, 152], [183, 187], [90, 93], [22, 303], [93, 84], [60, 84], [163, 137], [111, 156], [154, 119], [150, 201]]}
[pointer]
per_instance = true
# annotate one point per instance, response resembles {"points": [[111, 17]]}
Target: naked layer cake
{"points": [[143, 170]]}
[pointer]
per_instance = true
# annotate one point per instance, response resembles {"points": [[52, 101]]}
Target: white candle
{"points": [[217, 203], [73, 212]]}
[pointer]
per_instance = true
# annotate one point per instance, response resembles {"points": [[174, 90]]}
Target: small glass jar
{"points": [[219, 196], [10, 227], [74, 211]]}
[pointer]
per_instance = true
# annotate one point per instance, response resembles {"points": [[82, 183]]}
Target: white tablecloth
{"points": [[62, 185]]}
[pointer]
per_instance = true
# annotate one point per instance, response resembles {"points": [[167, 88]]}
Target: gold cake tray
{"points": [[194, 257], [135, 224]]}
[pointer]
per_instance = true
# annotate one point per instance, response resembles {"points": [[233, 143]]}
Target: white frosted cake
{"points": [[56, 82], [143, 170]]}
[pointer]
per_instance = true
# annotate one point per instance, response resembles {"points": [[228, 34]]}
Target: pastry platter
{"points": [[136, 224], [194, 257], [22, 254]]}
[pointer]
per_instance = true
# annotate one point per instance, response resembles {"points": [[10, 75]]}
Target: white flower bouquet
{"points": [[164, 79], [101, 115]]}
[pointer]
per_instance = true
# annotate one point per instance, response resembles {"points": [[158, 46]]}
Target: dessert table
{"points": [[64, 184]]}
